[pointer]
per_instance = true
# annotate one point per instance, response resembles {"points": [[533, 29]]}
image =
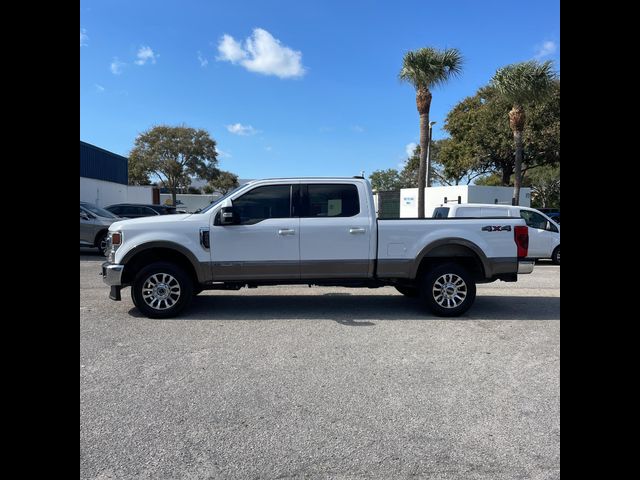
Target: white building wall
{"points": [[103, 193], [434, 197]]}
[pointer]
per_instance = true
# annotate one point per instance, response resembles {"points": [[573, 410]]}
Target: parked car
{"points": [[315, 231], [138, 210], [544, 232], [94, 226], [555, 216]]}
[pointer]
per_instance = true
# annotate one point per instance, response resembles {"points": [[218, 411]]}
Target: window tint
{"points": [[332, 201], [533, 219], [441, 212], [261, 203]]}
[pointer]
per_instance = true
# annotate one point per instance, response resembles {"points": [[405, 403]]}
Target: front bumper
{"points": [[112, 276], [526, 266]]}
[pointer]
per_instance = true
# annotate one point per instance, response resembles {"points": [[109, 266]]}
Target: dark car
{"points": [[555, 216], [138, 210]]}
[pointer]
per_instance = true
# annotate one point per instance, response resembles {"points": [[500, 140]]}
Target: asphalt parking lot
{"points": [[298, 382]]}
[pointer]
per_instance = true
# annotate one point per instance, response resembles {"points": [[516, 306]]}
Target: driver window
{"points": [[262, 203]]}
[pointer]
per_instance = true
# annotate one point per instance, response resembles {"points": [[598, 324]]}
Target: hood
{"points": [[132, 223]]}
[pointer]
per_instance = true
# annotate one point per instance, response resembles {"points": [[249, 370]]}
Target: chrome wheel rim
{"points": [[161, 291], [449, 290]]}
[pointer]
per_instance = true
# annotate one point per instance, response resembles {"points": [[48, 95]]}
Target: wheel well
{"points": [[146, 257], [98, 235], [459, 254]]}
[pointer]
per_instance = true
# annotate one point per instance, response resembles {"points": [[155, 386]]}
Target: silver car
{"points": [[94, 226]]}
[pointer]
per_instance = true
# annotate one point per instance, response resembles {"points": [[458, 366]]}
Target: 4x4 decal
{"points": [[496, 228]]}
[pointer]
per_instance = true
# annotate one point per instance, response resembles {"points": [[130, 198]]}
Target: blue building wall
{"points": [[102, 165]]}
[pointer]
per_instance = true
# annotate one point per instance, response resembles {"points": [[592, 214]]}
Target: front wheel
{"points": [[555, 256], [162, 290], [448, 290]]}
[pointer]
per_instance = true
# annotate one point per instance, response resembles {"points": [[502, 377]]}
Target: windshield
{"points": [[101, 212], [218, 200]]}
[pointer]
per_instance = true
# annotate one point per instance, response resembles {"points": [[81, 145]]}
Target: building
{"points": [[104, 178]]}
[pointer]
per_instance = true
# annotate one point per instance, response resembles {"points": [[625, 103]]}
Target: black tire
{"points": [[161, 298], [101, 243], [460, 290], [555, 256], [411, 292], [197, 290]]}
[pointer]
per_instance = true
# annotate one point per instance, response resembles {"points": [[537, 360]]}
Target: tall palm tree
{"points": [[425, 69], [522, 84]]}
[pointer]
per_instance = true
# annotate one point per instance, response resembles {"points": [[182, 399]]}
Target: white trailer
{"points": [[436, 196]]}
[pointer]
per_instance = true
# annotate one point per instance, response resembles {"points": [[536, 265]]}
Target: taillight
{"points": [[521, 236]]}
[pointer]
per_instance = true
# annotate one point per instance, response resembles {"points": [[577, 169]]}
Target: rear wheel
{"points": [[408, 291], [555, 256], [162, 290], [448, 290]]}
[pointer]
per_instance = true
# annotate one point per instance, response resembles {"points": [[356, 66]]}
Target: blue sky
{"points": [[291, 88]]}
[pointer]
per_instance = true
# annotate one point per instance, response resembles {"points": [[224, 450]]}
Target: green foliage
{"points": [[483, 140], [545, 186], [524, 83], [173, 154], [194, 190], [208, 189], [491, 180], [224, 182], [428, 67], [383, 180]]}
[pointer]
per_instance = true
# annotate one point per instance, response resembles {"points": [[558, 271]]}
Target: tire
{"points": [[460, 293], [555, 256], [408, 291], [162, 290], [101, 243]]}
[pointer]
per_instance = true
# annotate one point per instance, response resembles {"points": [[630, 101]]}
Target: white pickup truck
{"points": [[316, 231]]}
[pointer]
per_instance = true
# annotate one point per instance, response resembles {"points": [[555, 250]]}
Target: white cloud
{"points": [[410, 148], [230, 50], [262, 53], [145, 54], [239, 129], [203, 61], [223, 154], [545, 49], [117, 66], [83, 37], [99, 88]]}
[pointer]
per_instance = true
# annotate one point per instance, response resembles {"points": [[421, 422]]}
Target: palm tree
{"points": [[522, 84], [425, 69]]}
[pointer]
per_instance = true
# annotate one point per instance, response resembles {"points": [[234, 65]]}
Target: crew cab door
{"points": [[263, 243], [335, 231]]}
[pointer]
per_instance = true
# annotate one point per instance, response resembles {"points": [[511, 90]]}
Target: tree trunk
{"points": [[516, 122], [173, 196], [507, 171], [423, 102]]}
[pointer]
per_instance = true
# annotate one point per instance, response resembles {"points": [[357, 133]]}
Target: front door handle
{"points": [[286, 231], [357, 230]]}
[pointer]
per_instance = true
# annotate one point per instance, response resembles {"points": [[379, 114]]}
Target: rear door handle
{"points": [[357, 230], [286, 231]]}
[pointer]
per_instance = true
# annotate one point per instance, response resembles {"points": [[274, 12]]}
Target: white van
{"points": [[544, 233]]}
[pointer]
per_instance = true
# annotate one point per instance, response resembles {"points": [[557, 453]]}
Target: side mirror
{"points": [[227, 216]]}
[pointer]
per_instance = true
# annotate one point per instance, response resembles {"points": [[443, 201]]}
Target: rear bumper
{"points": [[525, 266]]}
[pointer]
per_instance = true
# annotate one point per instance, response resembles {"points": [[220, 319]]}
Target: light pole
{"points": [[428, 182]]}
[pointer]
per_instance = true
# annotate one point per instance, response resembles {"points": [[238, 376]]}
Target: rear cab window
{"points": [[441, 212], [330, 200]]}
